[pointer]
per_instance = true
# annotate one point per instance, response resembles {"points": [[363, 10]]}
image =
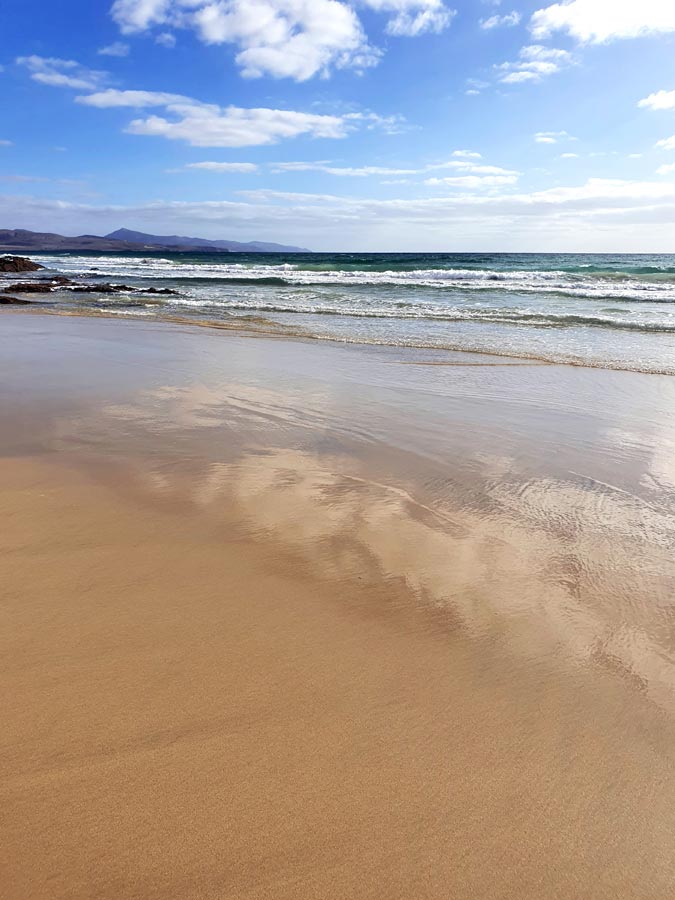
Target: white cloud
{"points": [[62, 73], [599, 215], [136, 99], [666, 170], [285, 38], [137, 15], [534, 63], [506, 21], [471, 168], [208, 125], [552, 137], [340, 171], [414, 17], [118, 48], [5, 143], [473, 182], [598, 21], [465, 154], [465, 166], [569, 156], [244, 167], [659, 100], [232, 126], [166, 39], [666, 143]]}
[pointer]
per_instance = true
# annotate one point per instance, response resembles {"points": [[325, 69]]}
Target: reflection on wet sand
{"points": [[580, 571]]}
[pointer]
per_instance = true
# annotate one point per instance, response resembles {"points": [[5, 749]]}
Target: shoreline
{"points": [[281, 331], [295, 619]]}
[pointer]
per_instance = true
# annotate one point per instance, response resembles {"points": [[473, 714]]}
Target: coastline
{"points": [[300, 619], [260, 326]]}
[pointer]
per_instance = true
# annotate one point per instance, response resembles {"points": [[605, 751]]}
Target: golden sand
{"points": [[276, 672]]}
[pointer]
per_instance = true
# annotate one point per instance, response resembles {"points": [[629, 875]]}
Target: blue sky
{"points": [[344, 124]]}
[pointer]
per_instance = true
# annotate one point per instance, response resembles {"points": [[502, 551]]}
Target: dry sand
{"points": [[253, 646]]}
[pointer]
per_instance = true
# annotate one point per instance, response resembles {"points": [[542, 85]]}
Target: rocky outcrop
{"points": [[18, 264], [30, 287], [13, 301], [116, 289], [61, 283]]}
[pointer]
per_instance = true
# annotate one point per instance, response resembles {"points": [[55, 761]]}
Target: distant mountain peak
{"points": [[124, 239], [176, 240]]}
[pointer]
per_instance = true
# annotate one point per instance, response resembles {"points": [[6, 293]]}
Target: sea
{"points": [[606, 310]]}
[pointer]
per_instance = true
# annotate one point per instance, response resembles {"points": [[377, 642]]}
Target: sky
{"points": [[355, 125]]}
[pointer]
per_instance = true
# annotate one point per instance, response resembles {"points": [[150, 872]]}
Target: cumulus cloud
{"points": [[242, 167], [659, 100], [509, 20], [285, 38], [118, 48], [666, 143], [209, 125], [599, 21], [62, 72], [534, 63], [666, 170]]}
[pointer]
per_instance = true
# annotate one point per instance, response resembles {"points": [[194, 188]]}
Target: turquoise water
{"points": [[603, 310]]}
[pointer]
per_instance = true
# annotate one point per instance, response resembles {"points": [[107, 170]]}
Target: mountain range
{"points": [[130, 241]]}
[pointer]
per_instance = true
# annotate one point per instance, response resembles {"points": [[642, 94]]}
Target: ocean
{"points": [[614, 311]]}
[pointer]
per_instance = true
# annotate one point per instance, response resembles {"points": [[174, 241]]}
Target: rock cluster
{"points": [[18, 264]]}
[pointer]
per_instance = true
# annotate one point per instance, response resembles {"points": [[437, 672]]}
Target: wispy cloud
{"points": [[466, 165], [118, 48], [166, 39], [508, 20], [340, 171], [534, 63], [594, 213], [552, 137], [62, 73], [225, 167], [208, 125]]}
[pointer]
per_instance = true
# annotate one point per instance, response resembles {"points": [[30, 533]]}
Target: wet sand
{"points": [[294, 620]]}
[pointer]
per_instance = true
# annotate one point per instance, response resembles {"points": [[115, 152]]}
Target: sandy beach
{"points": [[291, 619]]}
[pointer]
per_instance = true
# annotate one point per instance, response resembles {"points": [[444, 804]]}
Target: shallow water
{"points": [[613, 311]]}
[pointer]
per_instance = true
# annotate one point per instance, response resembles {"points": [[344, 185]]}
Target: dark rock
{"points": [[47, 285], [13, 301], [18, 264], [105, 288], [31, 287], [165, 291]]}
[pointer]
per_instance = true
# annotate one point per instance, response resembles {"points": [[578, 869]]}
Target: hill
{"points": [[123, 239]]}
